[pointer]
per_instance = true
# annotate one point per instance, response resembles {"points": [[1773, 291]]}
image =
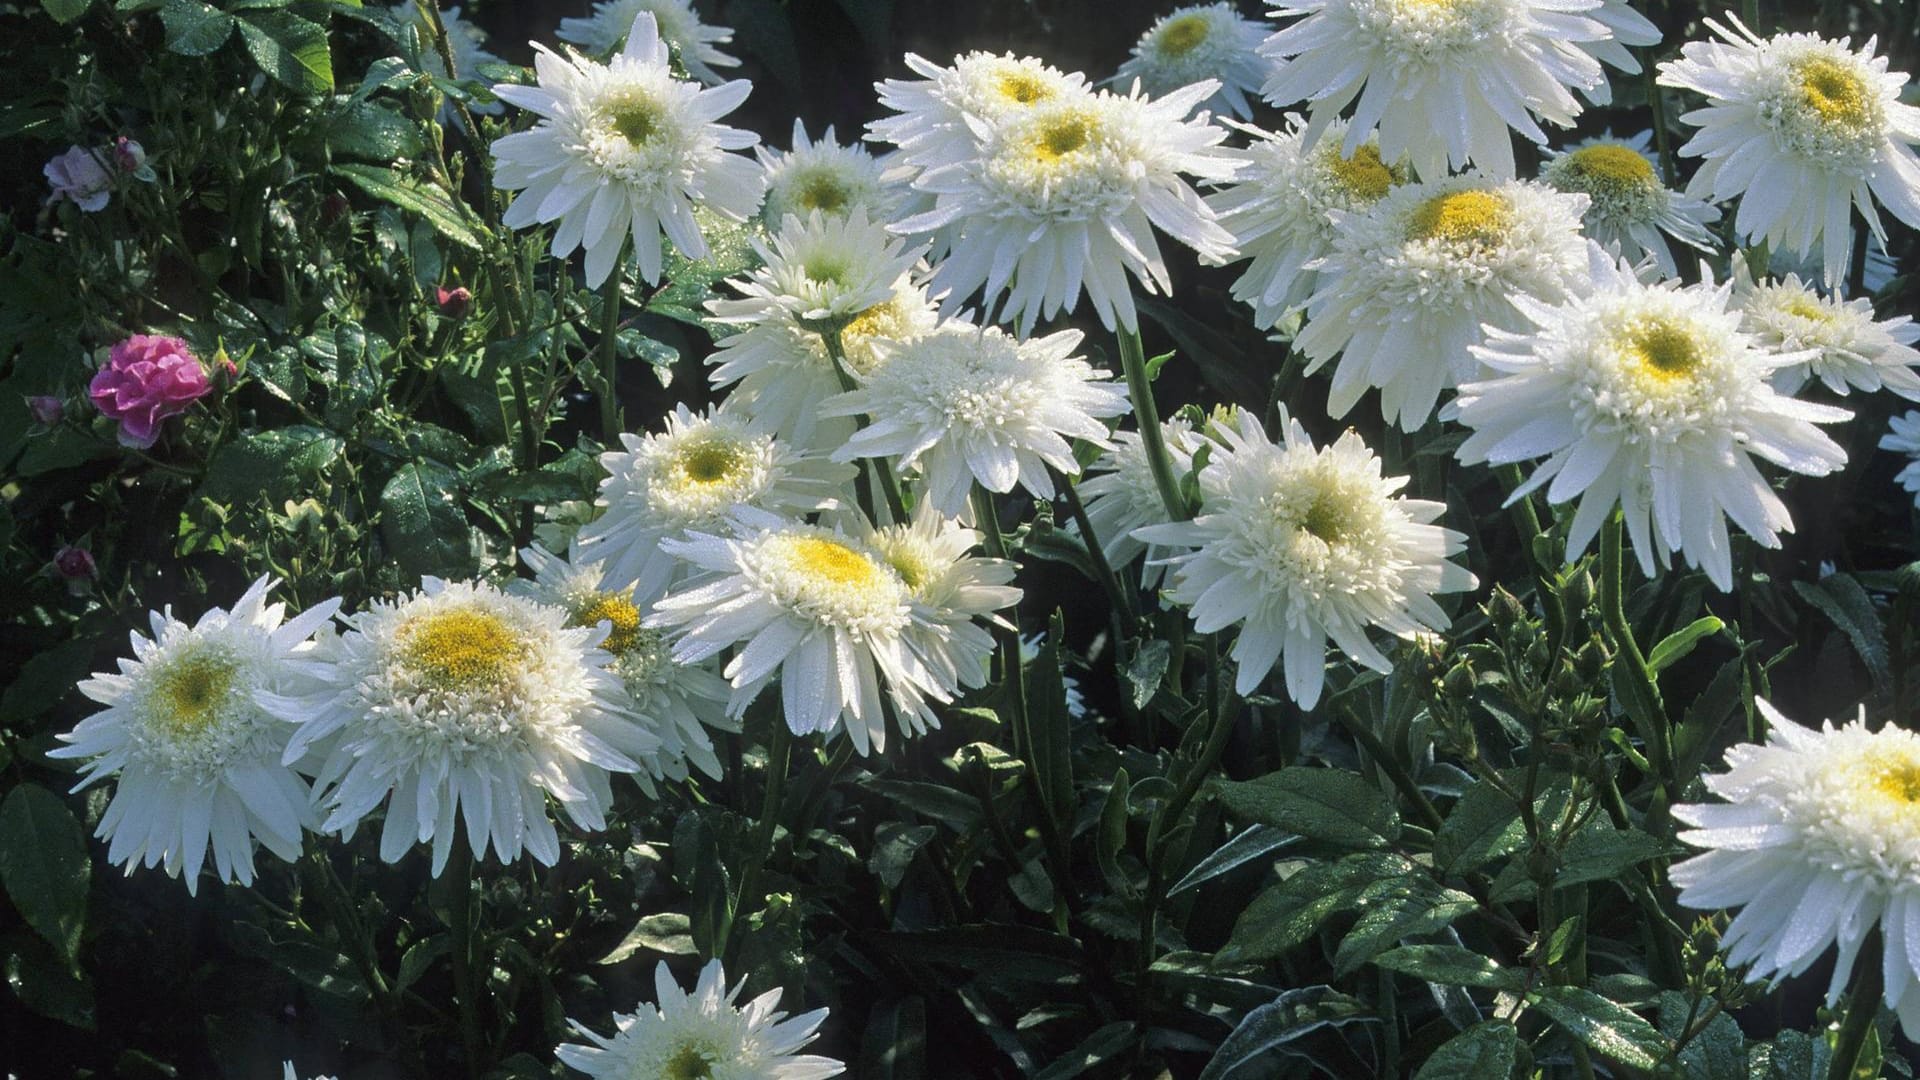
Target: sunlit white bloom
{"points": [[1903, 437], [1628, 207], [703, 1034], [825, 176], [964, 404], [691, 40], [1802, 130], [467, 43], [1652, 398], [820, 608], [780, 372], [690, 476], [1625, 28], [953, 588], [1850, 349], [676, 702], [1412, 283], [1816, 841], [824, 270], [942, 116], [459, 699], [1196, 43], [1121, 496], [1066, 195], [624, 148], [1444, 82], [192, 734], [1280, 209], [1299, 545]]}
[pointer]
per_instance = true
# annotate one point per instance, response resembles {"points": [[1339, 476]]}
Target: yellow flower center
{"points": [[692, 1061], [912, 569], [1326, 517], [821, 192], [1023, 87], [1610, 168], [1900, 781], [1462, 217], [1806, 307], [1060, 137], [192, 691], [711, 462], [1364, 174], [636, 118], [1837, 94], [834, 562], [617, 610], [1183, 35], [461, 648], [1665, 350]]}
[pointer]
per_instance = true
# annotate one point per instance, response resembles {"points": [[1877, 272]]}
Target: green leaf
{"points": [[418, 958], [1841, 599], [894, 1046], [1614, 1031], [1718, 1052], [1050, 752], [1146, 670], [1483, 825], [430, 202], [1252, 843], [49, 676], [1286, 1019], [46, 982], [1450, 965], [1396, 909], [669, 932], [1600, 852], [1287, 913], [291, 49], [1105, 1044], [423, 527], [1320, 804], [65, 11], [1485, 1051], [894, 846], [276, 465], [195, 28], [1675, 646], [44, 865], [1112, 838]]}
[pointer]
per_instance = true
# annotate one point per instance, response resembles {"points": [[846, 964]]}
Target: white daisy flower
{"points": [[624, 147], [690, 476], [1650, 397], [953, 588], [780, 373], [1121, 496], [942, 115], [1411, 283], [818, 607], [192, 734], [964, 404], [1850, 349], [467, 43], [1299, 545], [691, 40], [1903, 437], [1444, 82], [1280, 209], [1196, 43], [823, 175], [825, 269], [1802, 130], [676, 702], [1625, 28], [1818, 839], [462, 699], [1628, 207], [703, 1034], [1067, 194]]}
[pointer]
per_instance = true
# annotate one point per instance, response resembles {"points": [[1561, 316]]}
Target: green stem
{"points": [[609, 358], [1657, 102], [1649, 715], [445, 48], [1012, 665], [1123, 598], [1864, 991], [879, 473], [779, 753], [1402, 780], [1133, 359], [460, 926]]}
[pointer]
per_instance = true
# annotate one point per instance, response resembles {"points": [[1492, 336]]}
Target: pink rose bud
{"points": [[47, 410], [147, 379], [128, 155], [454, 302], [78, 175], [74, 564]]}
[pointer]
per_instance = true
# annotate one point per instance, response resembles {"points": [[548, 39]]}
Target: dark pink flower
{"points": [[454, 302], [147, 379], [73, 563]]}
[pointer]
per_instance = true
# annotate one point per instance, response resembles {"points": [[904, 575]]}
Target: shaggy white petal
{"points": [[1628, 208], [691, 40], [1196, 43]]}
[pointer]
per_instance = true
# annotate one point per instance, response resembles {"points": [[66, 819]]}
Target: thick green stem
{"points": [[460, 926], [879, 473], [610, 358], [1657, 102], [1133, 359], [1643, 693], [779, 753], [1864, 991], [1123, 599]]}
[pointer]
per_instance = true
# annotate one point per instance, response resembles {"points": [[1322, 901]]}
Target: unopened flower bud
{"points": [[128, 155], [74, 564], [454, 303], [47, 410]]}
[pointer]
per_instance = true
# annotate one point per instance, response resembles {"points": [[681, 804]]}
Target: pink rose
{"points": [[147, 379], [79, 175], [73, 563]]}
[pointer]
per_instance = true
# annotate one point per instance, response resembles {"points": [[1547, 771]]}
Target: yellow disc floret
{"points": [[1665, 350], [1183, 35], [191, 691], [1609, 167], [616, 609], [834, 562], [1363, 174], [461, 648], [1900, 781], [1469, 217], [1023, 87], [1062, 136], [711, 462], [1837, 94]]}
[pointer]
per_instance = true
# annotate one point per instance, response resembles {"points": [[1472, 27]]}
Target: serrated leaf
{"points": [[1612, 1030], [1287, 913], [423, 526], [1252, 843], [195, 28], [1841, 599], [1146, 670], [1397, 909], [431, 203], [1271, 1027], [44, 865], [289, 48], [1483, 825], [894, 846], [276, 465], [1450, 965], [1675, 646], [1600, 852], [1485, 1051], [1320, 804], [1718, 1052]]}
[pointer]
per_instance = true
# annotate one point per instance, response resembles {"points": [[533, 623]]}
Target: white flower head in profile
{"points": [[1412, 283], [1802, 130], [966, 404], [676, 703], [691, 476], [826, 176], [952, 588], [1445, 82], [1651, 398], [1299, 545], [1066, 196], [624, 148], [703, 1034], [1851, 350], [1627, 205], [940, 118], [1816, 840], [818, 271], [1121, 496], [461, 703], [192, 734], [1196, 43], [692, 41], [1281, 206], [1903, 437]]}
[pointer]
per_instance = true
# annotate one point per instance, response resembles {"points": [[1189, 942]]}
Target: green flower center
{"points": [[1183, 35], [637, 119], [1665, 350], [821, 192], [711, 463], [192, 690]]}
